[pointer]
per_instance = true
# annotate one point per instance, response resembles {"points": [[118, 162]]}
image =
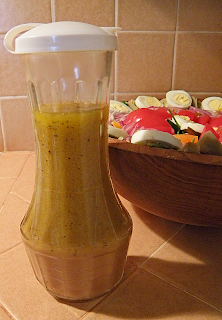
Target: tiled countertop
{"points": [[173, 271]]}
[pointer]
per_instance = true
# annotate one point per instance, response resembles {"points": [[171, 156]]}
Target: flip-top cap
{"points": [[60, 36]]}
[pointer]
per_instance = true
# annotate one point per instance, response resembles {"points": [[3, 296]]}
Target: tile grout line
{"points": [[183, 290], [16, 178], [2, 129], [172, 31], [19, 197], [121, 92], [116, 13], [108, 294], [115, 54], [145, 31], [53, 10], [12, 97], [163, 245], [11, 248], [7, 178], [13, 192], [164, 92], [174, 48], [6, 311]]}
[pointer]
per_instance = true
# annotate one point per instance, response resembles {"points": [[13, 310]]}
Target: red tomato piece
{"points": [[145, 118], [219, 132], [216, 122], [138, 114], [154, 123], [187, 113], [162, 112], [142, 113], [208, 127], [202, 119]]}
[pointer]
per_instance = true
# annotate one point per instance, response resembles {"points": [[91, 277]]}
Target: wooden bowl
{"points": [[178, 186]]}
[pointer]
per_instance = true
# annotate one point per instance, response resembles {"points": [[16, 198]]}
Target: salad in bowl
{"points": [[178, 121]]}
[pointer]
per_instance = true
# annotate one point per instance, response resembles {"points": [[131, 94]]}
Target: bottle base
{"points": [[74, 300], [82, 277], [66, 300]]}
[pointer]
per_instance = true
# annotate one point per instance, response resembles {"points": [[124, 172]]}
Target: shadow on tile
{"points": [[144, 296], [201, 242], [181, 279], [149, 232], [191, 259]]}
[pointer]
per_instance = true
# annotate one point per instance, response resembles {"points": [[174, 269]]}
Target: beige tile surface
{"points": [[1, 137], [23, 188], [147, 15], [11, 164], [12, 76], [144, 296], [200, 15], [17, 124], [192, 260], [6, 185], [140, 67], [197, 62], [15, 12], [100, 13], [149, 230], [134, 95], [11, 214]]}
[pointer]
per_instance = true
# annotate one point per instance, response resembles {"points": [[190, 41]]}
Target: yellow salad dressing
{"points": [[76, 231]]}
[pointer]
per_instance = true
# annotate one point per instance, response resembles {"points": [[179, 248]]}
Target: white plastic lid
{"points": [[60, 36]]}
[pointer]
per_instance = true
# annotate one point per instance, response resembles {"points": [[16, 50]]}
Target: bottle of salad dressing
{"points": [[76, 231]]}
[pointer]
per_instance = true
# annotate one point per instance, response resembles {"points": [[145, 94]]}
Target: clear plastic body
{"points": [[76, 231]]}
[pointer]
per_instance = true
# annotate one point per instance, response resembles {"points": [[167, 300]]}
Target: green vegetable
{"points": [[174, 124]]}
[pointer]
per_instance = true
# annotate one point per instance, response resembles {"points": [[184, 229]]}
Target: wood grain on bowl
{"points": [[178, 186]]}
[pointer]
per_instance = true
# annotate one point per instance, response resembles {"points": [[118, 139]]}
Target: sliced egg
{"points": [[132, 104], [178, 98], [212, 104], [156, 138], [117, 106], [147, 101], [185, 124], [116, 132], [164, 102]]}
